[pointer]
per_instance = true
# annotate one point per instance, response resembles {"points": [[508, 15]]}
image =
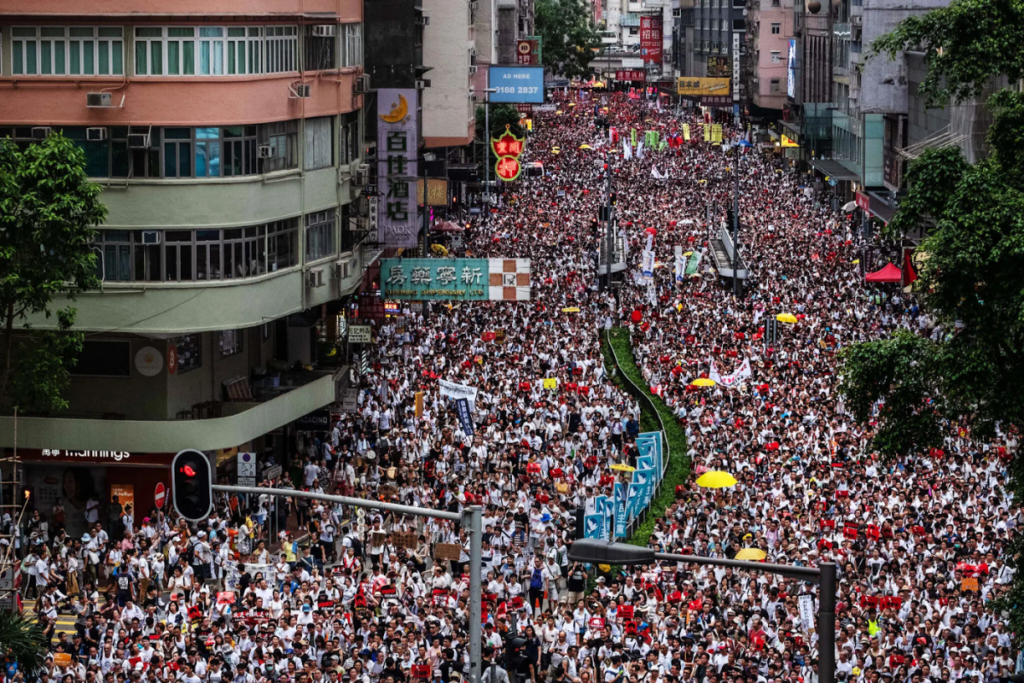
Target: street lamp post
{"points": [[487, 152], [824, 575]]}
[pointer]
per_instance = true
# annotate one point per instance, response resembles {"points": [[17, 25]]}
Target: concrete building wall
{"points": [[447, 43], [769, 50]]}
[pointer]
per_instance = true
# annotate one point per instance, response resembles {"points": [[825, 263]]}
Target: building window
{"points": [[191, 255], [230, 342], [351, 44], [776, 86], [776, 57], [188, 353], [67, 51], [215, 50], [776, 28], [283, 139], [104, 358], [320, 231], [349, 139], [319, 143], [320, 51]]}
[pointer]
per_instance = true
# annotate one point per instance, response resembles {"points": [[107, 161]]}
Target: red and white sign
{"points": [[158, 496], [172, 358], [631, 75], [650, 39], [863, 202]]}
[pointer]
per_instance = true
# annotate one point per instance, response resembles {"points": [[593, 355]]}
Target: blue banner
{"points": [[609, 518], [634, 501], [648, 478], [465, 419], [620, 510], [593, 526], [516, 84], [645, 462], [600, 508]]}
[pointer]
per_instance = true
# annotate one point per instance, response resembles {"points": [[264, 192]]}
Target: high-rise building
{"points": [[769, 30], [227, 137]]}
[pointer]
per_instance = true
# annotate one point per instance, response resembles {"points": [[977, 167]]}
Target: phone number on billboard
{"points": [[511, 90]]}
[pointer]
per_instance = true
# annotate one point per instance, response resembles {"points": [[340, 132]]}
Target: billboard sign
{"points": [[528, 51], [397, 167], [650, 39], [516, 84], [463, 279], [631, 75], [696, 87], [736, 65]]}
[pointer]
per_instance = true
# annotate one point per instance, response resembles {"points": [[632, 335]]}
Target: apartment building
{"points": [[227, 137]]}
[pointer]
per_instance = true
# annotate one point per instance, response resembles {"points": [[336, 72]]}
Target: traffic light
{"points": [[192, 485]]}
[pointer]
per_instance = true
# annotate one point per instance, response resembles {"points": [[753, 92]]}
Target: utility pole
{"points": [[608, 222], [737, 286], [487, 152]]}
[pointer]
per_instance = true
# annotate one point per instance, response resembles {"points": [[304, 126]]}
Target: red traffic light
{"points": [[189, 472]]}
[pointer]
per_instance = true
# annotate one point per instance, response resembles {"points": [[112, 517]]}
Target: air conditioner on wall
{"points": [[95, 134], [151, 237], [362, 84], [299, 90], [324, 31], [263, 152], [422, 83], [315, 278], [362, 175], [138, 141], [98, 100], [41, 132]]}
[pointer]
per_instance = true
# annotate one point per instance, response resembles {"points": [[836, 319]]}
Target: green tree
{"points": [[48, 214], [23, 641], [569, 36], [501, 115], [968, 375]]}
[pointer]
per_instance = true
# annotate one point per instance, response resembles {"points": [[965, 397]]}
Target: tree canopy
{"points": [[569, 36], [965, 378], [48, 214]]}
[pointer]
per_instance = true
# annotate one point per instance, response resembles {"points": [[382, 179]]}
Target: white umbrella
{"points": [[849, 206]]}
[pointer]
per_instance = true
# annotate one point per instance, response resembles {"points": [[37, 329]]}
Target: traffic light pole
{"points": [[471, 517]]}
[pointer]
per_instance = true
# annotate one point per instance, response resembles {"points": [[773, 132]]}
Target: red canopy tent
{"points": [[890, 273]]}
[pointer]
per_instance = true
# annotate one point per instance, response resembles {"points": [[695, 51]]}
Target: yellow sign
{"points": [[418, 399], [551, 383], [125, 494], [399, 110], [716, 133], [437, 192], [702, 86], [786, 142], [707, 132], [686, 132]]}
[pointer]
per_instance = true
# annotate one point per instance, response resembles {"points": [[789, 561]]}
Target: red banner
{"points": [[650, 39], [631, 75], [863, 201]]}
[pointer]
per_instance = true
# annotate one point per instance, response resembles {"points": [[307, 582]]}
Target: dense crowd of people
{"points": [[343, 594]]}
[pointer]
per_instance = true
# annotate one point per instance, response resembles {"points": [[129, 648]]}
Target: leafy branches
{"points": [[568, 34], [48, 214], [964, 44], [24, 642]]}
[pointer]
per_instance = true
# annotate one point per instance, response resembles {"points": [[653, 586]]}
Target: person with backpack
{"points": [[538, 584]]}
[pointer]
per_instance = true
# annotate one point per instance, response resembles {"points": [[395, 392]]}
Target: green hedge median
{"points": [[618, 354]]}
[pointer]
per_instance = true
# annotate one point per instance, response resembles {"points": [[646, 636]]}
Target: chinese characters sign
{"points": [[456, 279], [650, 39], [631, 75], [397, 168], [507, 148], [702, 86], [528, 51]]}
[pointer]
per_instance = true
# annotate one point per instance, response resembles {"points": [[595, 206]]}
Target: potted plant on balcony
{"points": [[274, 369]]}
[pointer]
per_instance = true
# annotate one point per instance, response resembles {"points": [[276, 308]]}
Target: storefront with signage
{"points": [[78, 477]]}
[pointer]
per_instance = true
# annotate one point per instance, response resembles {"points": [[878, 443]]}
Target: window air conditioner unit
{"points": [[138, 141], [324, 31], [300, 90], [99, 100], [41, 132], [422, 83], [342, 269], [362, 84], [315, 278], [263, 151], [95, 134], [151, 237], [472, 69], [423, 20], [362, 175]]}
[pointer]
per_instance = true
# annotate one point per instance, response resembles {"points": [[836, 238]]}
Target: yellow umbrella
{"points": [[716, 480], [622, 467], [439, 249], [570, 309], [786, 318], [755, 554], [606, 568], [701, 181], [559, 111], [702, 382], [572, 104], [585, 147]]}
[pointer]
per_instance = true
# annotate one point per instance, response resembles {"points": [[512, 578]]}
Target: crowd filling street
{"points": [[358, 596]]}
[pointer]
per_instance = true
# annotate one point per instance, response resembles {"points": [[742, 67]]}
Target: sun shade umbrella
{"points": [[702, 382], [755, 554], [716, 480], [786, 318], [622, 467]]}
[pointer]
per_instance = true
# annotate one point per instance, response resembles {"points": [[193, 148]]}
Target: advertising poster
{"points": [[493, 279], [123, 495], [77, 487], [651, 39]]}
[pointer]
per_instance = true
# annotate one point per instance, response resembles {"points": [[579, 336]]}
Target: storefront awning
{"points": [[833, 169]]}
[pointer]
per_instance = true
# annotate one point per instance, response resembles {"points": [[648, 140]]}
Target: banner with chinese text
{"points": [[493, 279], [397, 167], [650, 39]]}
